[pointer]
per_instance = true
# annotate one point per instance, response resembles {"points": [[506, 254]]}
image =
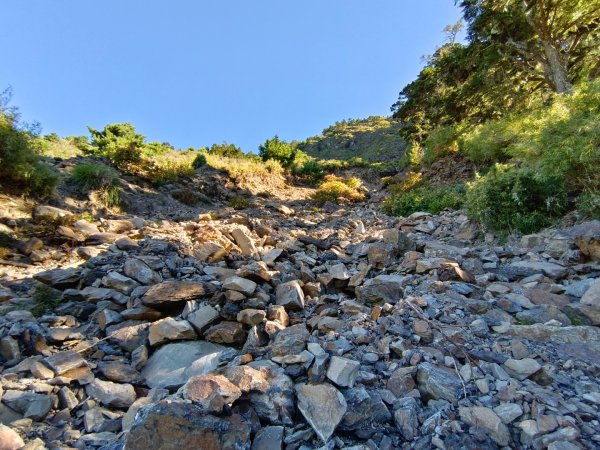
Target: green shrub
{"points": [[199, 161], [226, 150], [311, 171], [442, 141], [46, 299], [588, 205], [339, 190], [488, 143], [239, 202], [120, 143], [21, 167], [101, 178], [432, 199], [278, 150], [509, 199]]}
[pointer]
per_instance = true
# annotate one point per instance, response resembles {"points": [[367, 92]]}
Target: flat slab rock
{"points": [[173, 364], [174, 293]]}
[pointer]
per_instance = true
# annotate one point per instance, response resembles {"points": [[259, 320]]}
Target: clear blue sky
{"points": [[197, 72]]}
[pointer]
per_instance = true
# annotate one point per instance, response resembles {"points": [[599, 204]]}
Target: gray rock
{"points": [[522, 368], [406, 418], [323, 407], [45, 213], [481, 417], [592, 295], [268, 438], [138, 270], [62, 362], [30, 404], [111, 394], [212, 392], [240, 284], [508, 412], [438, 382], [343, 371], [169, 329], [290, 296], [173, 364], [59, 278], [118, 282], [202, 317], [9, 348], [251, 317], [290, 341], [245, 242], [169, 294]]}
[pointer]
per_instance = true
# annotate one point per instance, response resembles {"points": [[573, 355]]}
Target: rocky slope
{"points": [[287, 327]]}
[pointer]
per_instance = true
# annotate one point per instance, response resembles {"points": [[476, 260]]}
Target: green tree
{"points": [[554, 41], [279, 150], [120, 143], [227, 150]]}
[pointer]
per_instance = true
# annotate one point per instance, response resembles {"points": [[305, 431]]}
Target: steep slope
{"points": [[373, 139]]}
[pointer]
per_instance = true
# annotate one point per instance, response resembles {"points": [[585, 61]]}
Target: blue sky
{"points": [[197, 72]]}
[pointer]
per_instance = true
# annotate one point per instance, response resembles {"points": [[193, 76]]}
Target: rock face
{"points": [[323, 407], [184, 426]]}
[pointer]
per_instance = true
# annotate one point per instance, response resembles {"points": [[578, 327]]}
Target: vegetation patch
{"points": [[339, 190], [46, 299], [99, 178], [425, 198]]}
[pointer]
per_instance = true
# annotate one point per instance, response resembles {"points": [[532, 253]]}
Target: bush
{"points": [[431, 199], [442, 141], [199, 161], [101, 178], [21, 167], [311, 171], [339, 190], [278, 150], [239, 202], [226, 150], [120, 143], [509, 199]]}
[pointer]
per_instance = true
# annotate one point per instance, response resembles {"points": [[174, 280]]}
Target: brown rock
{"points": [[175, 293], [211, 391], [226, 333]]}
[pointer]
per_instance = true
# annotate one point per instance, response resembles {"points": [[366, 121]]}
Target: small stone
{"points": [[508, 412], [202, 317], [118, 282], [290, 341], [323, 407], [277, 313], [438, 382], [343, 371], [245, 242], [268, 438], [9, 348], [64, 361], [406, 418], [138, 270], [592, 295]]}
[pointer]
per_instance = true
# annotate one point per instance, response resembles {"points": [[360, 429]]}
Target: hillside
{"points": [[373, 139]]}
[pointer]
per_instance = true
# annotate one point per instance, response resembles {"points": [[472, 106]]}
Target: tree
{"points": [[227, 150], [120, 143], [555, 41], [278, 150]]}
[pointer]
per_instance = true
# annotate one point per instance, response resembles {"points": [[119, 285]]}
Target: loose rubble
{"points": [[285, 327]]}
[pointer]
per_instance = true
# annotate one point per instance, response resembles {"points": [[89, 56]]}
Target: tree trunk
{"points": [[556, 70]]}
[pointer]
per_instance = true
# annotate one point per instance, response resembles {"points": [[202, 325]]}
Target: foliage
{"points": [[442, 141], [310, 170], [279, 150], [509, 199], [21, 167], [120, 143], [199, 161], [432, 199], [339, 190], [101, 178], [245, 168], [46, 299], [239, 202], [55, 147], [372, 139], [226, 150]]}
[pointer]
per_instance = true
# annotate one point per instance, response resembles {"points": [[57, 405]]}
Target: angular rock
{"points": [[212, 392], [120, 372], [59, 278], [169, 329], [268, 438], [323, 407], [438, 382], [384, 288], [290, 296], [481, 417], [251, 317], [244, 242], [406, 418], [10, 439], [138, 270], [240, 284], [62, 362], [290, 341], [202, 317], [116, 395], [30, 404], [120, 283], [226, 333], [173, 364], [169, 294], [182, 426], [592, 295], [522, 368], [343, 371]]}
